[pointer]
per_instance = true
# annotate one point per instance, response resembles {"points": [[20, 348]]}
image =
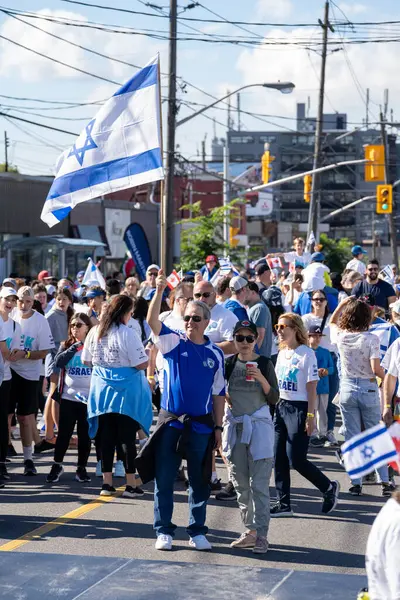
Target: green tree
{"points": [[337, 252], [202, 235], [11, 168]]}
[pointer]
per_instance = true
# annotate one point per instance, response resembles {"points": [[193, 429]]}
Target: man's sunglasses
{"points": [[77, 325], [202, 295], [241, 338], [194, 318], [153, 274]]}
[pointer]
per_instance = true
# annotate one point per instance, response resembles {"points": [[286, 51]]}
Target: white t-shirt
{"points": [[35, 335], [356, 351], [356, 265], [121, 347], [288, 307], [383, 554], [293, 257], [77, 378], [391, 360], [294, 369], [221, 325], [12, 331], [135, 325], [309, 319], [176, 323]]}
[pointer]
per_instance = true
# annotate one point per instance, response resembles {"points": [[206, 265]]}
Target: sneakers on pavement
{"points": [[370, 478], [227, 493], [163, 542], [4, 474], [246, 540], [82, 475], [216, 486], [132, 492], [200, 542], [387, 489], [107, 490], [317, 442], [280, 510], [355, 490], [331, 498], [43, 446], [119, 469], [330, 439], [29, 468], [55, 472], [11, 451], [99, 470], [261, 545]]}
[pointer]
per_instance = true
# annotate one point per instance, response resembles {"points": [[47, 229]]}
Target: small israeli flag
{"points": [[368, 450], [120, 148], [93, 276]]}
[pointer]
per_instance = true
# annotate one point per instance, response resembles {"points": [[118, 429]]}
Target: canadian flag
{"points": [[274, 263], [173, 280], [394, 431]]}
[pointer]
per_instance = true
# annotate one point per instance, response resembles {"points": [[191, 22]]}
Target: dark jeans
{"points": [[72, 413], [5, 389], [333, 390], [167, 463], [291, 445], [118, 429]]}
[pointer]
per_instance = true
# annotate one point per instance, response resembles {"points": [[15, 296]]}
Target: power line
{"points": [[7, 116]]}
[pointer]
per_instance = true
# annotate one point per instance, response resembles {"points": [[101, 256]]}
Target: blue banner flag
{"points": [[120, 148], [138, 245]]}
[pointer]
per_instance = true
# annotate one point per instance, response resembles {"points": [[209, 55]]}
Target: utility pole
{"points": [[316, 181], [226, 189], [6, 144], [238, 111], [169, 204], [367, 110], [392, 224]]}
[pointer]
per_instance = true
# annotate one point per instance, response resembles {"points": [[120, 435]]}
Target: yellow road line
{"points": [[63, 520]]}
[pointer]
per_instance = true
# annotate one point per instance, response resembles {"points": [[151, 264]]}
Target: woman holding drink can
{"points": [[248, 436]]}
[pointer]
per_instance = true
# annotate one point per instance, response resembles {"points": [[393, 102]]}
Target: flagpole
{"points": [[163, 204]]}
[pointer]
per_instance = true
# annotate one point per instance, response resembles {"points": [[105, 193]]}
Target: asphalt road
{"points": [[123, 528]]}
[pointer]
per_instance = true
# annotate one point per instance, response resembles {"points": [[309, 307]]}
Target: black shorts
{"points": [[5, 392], [24, 395]]}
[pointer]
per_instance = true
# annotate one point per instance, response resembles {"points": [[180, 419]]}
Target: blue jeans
{"points": [[167, 464], [333, 390], [359, 404]]}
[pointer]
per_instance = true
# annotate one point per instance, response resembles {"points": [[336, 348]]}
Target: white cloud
{"points": [[353, 9], [277, 9]]}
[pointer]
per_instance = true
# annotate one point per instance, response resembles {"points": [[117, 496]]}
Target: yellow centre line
{"points": [[63, 520]]}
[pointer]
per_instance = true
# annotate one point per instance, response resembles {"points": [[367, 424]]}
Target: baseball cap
{"points": [[51, 289], [211, 258], [358, 250], [262, 268], [237, 283], [318, 257], [151, 267], [80, 273], [10, 280], [315, 330], [6, 292], [25, 292], [395, 306], [95, 293], [245, 325], [44, 275]]}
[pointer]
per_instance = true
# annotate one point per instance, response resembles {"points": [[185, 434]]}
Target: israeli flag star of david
{"points": [[120, 148]]}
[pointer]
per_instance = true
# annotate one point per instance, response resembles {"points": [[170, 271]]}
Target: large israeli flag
{"points": [[120, 148]]}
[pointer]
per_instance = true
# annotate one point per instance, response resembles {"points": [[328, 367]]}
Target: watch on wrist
{"points": [[218, 428]]}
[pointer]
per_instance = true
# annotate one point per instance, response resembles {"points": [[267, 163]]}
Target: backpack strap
{"points": [[230, 365]]}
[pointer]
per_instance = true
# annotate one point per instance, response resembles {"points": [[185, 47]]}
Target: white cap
{"points": [[51, 289], [395, 306], [6, 292], [153, 266], [238, 283]]}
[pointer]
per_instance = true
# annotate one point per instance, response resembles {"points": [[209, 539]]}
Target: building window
{"points": [[263, 139], [241, 139]]}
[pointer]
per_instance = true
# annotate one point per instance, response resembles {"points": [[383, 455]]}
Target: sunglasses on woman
{"points": [[77, 325], [281, 327], [202, 295], [194, 318], [241, 338], [319, 299]]}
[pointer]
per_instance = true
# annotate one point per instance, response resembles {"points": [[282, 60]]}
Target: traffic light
{"points": [[233, 240], [307, 187], [375, 167], [266, 168], [384, 199]]}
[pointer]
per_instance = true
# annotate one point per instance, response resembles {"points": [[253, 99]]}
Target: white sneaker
{"points": [[163, 542], [200, 542], [119, 469], [99, 470], [330, 439]]}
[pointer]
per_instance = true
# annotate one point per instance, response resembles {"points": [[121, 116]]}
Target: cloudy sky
{"points": [[259, 54]]}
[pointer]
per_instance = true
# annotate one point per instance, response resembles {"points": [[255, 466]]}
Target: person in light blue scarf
{"points": [[119, 402]]}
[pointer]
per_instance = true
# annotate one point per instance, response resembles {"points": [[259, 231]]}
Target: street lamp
{"points": [[285, 87]]}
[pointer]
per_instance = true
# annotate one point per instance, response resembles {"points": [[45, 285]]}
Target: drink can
{"points": [[248, 365]]}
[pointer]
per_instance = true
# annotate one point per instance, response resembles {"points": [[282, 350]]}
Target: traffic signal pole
{"points": [[392, 224]]}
